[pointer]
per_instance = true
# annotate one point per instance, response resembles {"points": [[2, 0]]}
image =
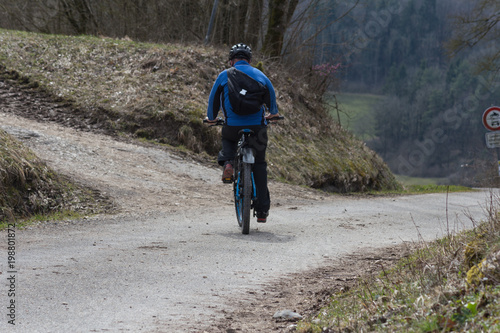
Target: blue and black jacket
{"points": [[219, 97]]}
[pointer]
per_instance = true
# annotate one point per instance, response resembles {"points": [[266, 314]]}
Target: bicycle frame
{"points": [[244, 189]]}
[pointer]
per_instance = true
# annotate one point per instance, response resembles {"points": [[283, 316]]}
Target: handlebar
{"points": [[219, 121], [275, 118]]}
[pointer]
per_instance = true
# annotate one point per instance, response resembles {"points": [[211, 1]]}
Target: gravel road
{"points": [[173, 259]]}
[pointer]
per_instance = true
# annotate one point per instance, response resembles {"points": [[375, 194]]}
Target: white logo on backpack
{"points": [[243, 92]]}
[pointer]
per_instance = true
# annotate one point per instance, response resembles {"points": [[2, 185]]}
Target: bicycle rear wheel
{"points": [[243, 196]]}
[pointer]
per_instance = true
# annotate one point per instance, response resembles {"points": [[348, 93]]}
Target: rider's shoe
{"points": [[262, 217], [227, 175]]}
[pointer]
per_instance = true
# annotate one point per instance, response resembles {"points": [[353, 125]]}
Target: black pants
{"points": [[258, 142]]}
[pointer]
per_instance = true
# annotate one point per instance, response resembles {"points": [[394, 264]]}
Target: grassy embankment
{"points": [[159, 93], [452, 284], [30, 189]]}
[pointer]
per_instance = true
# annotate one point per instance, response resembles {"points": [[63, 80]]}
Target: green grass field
{"points": [[356, 113], [407, 180]]}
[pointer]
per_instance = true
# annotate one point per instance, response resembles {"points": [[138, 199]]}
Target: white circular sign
{"points": [[491, 118]]}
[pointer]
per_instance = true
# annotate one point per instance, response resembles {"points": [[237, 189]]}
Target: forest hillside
{"points": [[427, 119]]}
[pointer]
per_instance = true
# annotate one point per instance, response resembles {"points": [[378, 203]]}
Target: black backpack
{"points": [[246, 94]]}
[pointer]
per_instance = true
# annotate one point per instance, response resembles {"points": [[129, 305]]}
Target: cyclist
{"points": [[240, 57]]}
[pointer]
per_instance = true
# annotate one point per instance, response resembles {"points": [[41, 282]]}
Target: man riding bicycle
{"points": [[253, 84]]}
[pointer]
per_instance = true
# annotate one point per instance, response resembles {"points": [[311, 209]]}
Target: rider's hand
{"points": [[270, 117], [210, 121]]}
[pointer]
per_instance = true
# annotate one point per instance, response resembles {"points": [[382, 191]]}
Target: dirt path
{"points": [[173, 259]]}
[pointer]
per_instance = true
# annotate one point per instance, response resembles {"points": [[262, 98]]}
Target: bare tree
{"points": [[276, 26], [280, 14], [479, 26], [253, 26], [149, 20], [80, 15]]}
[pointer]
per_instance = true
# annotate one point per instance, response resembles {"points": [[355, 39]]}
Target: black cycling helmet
{"points": [[240, 51]]}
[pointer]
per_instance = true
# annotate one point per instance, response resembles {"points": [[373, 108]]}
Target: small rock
{"points": [[287, 315], [21, 133]]}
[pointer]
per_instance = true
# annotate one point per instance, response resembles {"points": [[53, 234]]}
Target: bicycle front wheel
{"points": [[243, 197]]}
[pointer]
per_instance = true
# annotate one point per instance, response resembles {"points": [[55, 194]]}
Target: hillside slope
{"points": [[159, 92], [29, 187]]}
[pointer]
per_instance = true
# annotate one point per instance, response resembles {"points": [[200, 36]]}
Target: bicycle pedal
{"points": [[227, 180]]}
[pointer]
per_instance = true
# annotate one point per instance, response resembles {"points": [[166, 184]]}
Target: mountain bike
{"points": [[244, 189]]}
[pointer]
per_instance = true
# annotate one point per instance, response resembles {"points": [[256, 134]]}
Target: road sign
{"points": [[491, 118], [493, 139]]}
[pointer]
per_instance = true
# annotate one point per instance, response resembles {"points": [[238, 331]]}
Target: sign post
{"points": [[491, 120]]}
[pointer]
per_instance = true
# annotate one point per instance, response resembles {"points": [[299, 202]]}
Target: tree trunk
{"points": [[280, 14], [253, 25], [80, 17], [240, 23]]}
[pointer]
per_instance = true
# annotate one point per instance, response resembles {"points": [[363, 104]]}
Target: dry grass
{"points": [[29, 187], [452, 284], [159, 92]]}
